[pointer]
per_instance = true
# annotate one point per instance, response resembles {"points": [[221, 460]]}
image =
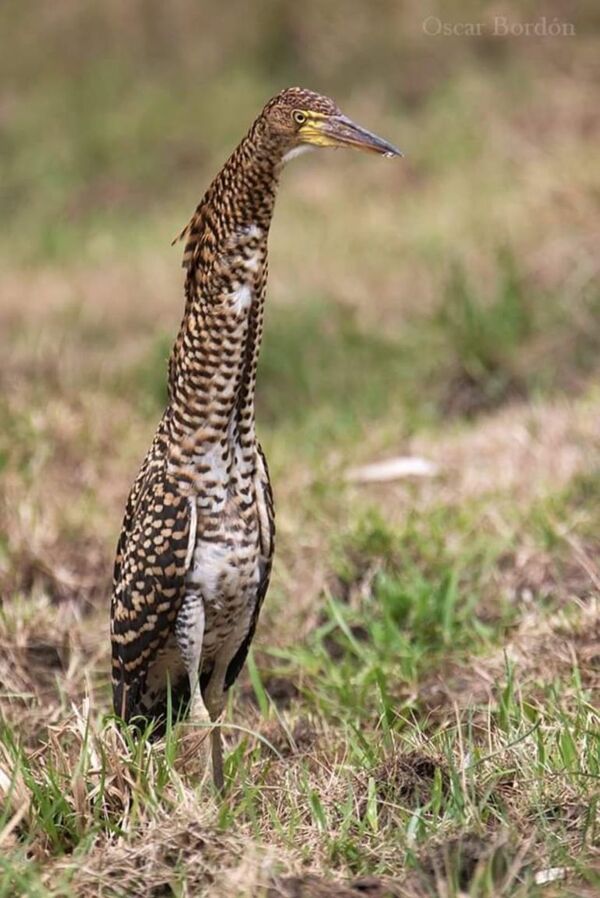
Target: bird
{"points": [[194, 555]]}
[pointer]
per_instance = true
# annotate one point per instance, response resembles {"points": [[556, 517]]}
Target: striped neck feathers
{"points": [[212, 370]]}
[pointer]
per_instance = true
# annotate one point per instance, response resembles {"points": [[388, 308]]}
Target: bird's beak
{"points": [[340, 131]]}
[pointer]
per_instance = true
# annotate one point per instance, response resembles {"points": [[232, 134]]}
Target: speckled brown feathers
{"points": [[194, 557], [200, 515], [149, 575]]}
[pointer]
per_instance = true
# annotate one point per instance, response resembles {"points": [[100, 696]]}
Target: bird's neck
{"points": [[212, 371]]}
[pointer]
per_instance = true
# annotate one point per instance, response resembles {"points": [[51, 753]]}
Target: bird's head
{"points": [[303, 119]]}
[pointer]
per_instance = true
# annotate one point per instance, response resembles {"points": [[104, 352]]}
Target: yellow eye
{"points": [[299, 116]]}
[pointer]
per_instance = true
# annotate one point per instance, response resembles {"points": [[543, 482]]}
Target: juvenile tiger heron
{"points": [[194, 555]]}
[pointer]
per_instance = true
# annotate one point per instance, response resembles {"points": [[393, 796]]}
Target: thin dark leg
{"points": [[217, 759]]}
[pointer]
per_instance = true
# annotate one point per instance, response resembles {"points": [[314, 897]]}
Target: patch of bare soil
{"points": [[281, 690], [467, 397], [405, 780]]}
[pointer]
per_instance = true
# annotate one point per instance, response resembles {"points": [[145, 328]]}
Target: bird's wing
{"points": [[152, 560], [129, 519], [264, 500]]}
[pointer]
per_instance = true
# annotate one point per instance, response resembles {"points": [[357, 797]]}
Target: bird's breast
{"points": [[225, 571]]}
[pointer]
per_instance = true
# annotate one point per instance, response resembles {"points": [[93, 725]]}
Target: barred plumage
{"points": [[195, 552]]}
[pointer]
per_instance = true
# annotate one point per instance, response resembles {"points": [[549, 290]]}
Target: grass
{"points": [[419, 715]]}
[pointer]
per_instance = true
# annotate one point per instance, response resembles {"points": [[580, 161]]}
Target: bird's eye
{"points": [[299, 116]]}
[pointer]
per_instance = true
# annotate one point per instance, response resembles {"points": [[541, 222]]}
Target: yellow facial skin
{"points": [[311, 132], [322, 130]]}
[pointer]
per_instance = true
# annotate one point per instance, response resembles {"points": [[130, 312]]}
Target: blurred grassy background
{"points": [[408, 294], [446, 304]]}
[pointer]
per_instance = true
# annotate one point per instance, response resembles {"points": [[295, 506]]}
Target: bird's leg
{"points": [[217, 759], [189, 633], [215, 696], [215, 702]]}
